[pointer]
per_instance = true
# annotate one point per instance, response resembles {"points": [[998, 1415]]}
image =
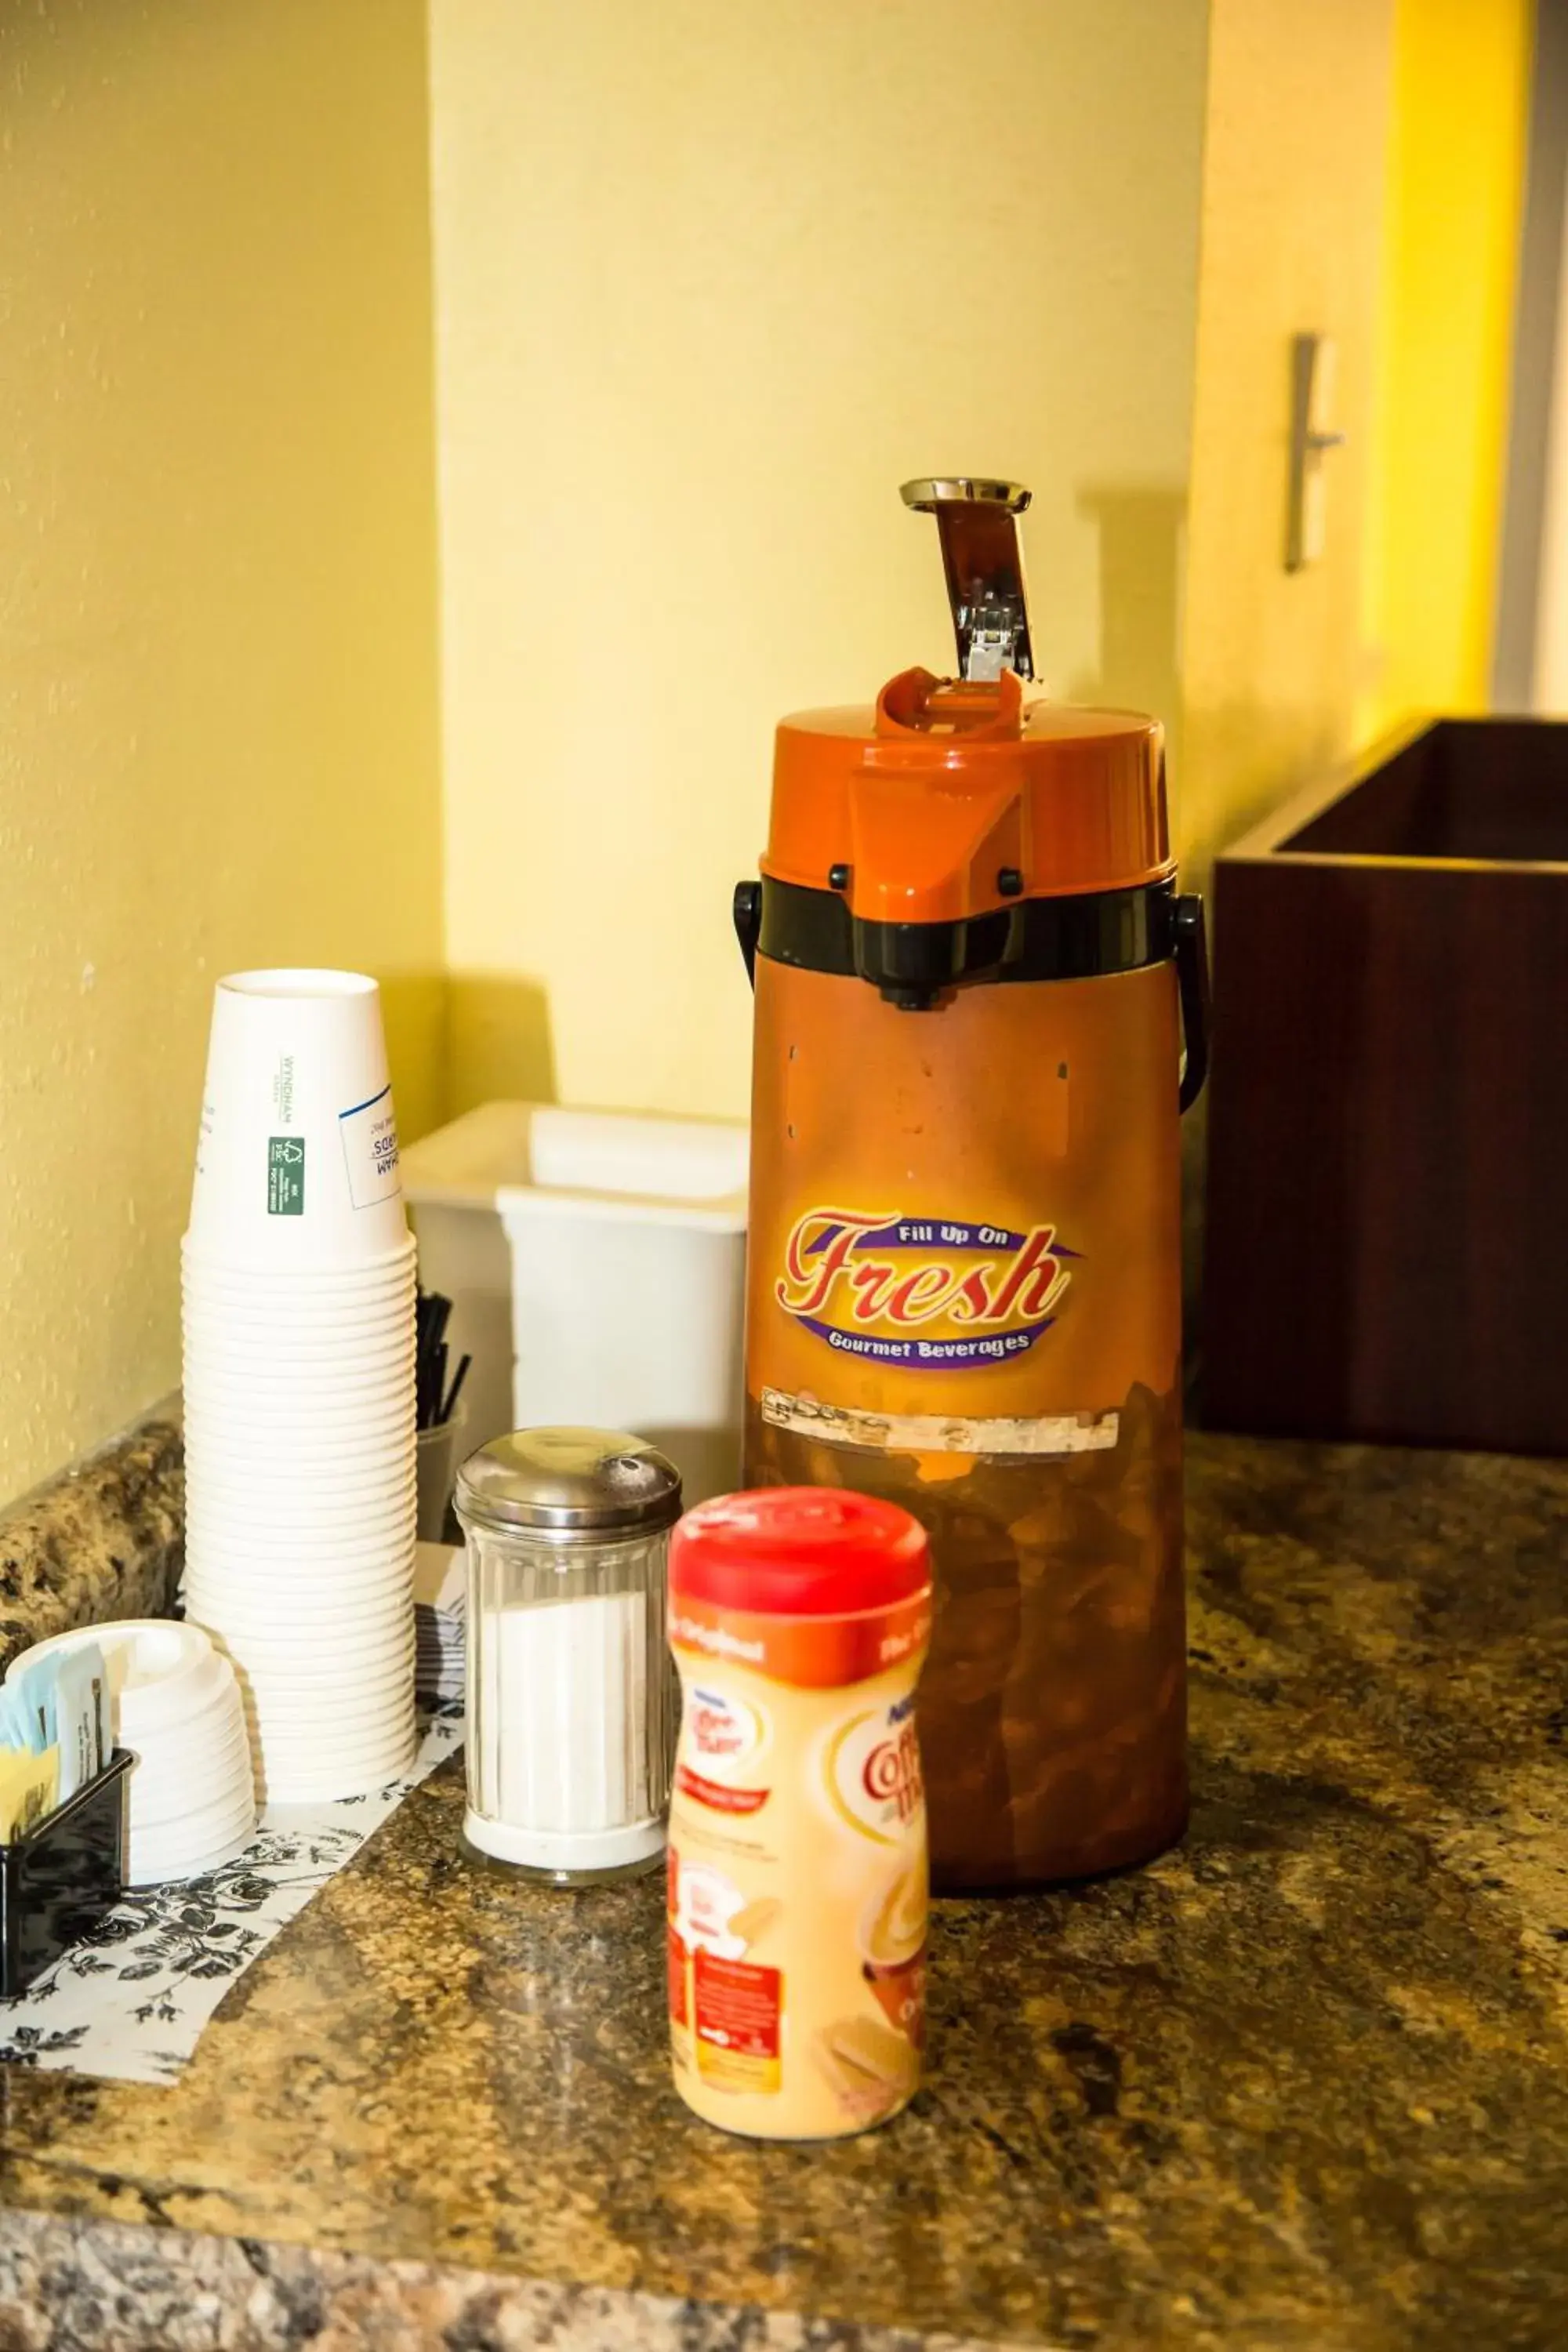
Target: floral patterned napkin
{"points": [[129, 2003]]}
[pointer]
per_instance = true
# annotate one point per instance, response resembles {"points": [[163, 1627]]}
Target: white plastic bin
{"points": [[595, 1260]]}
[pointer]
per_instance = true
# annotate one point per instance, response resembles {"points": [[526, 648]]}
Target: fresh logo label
{"points": [[285, 1176], [928, 1292]]}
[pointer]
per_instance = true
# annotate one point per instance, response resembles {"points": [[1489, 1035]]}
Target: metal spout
{"points": [[977, 523]]}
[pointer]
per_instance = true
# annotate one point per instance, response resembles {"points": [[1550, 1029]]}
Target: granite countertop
{"points": [[105, 1539], [1302, 2083]]}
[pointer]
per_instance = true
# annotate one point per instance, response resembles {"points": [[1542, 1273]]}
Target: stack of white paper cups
{"points": [[300, 1393]]}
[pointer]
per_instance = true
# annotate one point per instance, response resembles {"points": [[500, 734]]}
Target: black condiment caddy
{"points": [[63, 1877]]}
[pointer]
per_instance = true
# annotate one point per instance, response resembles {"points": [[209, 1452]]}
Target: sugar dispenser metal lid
{"points": [[568, 1480]]}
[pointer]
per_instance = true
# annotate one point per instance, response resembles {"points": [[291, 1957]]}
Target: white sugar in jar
{"points": [[571, 1708]]}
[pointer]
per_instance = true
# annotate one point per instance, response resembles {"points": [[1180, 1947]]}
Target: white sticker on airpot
{"points": [[370, 1148]]}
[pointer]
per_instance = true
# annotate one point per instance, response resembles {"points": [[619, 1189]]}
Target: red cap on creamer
{"points": [[799, 1551]]}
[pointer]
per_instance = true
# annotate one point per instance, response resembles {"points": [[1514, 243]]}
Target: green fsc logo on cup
{"points": [[285, 1176]]}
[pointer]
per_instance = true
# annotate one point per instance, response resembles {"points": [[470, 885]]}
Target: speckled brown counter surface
{"points": [[1302, 2083], [105, 1539]]}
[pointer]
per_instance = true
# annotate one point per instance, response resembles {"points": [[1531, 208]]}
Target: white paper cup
{"points": [[342, 1392], [374, 1742], [351, 1567], [347, 1386], [209, 1261], [274, 1297], [314, 1721], [334, 1487], [259, 1438], [373, 1397], [378, 1580], [358, 1694], [360, 1636], [279, 1724], [305, 1525], [274, 1461], [344, 1479], [308, 1324], [273, 1368], [258, 1342], [296, 1164], [322, 1733], [232, 1532], [290, 1483], [358, 1356], [361, 1641], [355, 1355], [265, 1297], [313, 1787], [253, 1582], [372, 1730], [344, 1638], [235, 1602], [286, 1355], [296, 1779], [283, 1485], [264, 1304], [212, 1273], [349, 1381], [259, 1558], [263, 1424], [328, 1711], [288, 1747], [375, 1747], [239, 1560], [225, 1381], [357, 1648], [363, 1647]]}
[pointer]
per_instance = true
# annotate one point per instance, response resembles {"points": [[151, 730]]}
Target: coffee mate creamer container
{"points": [[799, 1619]]}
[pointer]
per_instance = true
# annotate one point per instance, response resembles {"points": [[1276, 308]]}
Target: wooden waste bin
{"points": [[1387, 1239]]}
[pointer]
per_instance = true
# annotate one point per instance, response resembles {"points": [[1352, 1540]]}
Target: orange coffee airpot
{"points": [[973, 974]]}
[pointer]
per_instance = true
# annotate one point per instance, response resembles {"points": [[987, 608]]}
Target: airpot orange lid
{"points": [[953, 797], [947, 800]]}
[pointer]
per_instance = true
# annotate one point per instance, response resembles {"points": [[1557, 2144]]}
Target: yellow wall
{"points": [[1362, 172], [1294, 170], [712, 277], [1456, 187], [217, 686]]}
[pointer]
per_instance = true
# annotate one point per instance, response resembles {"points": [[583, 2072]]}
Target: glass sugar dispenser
{"points": [[572, 1706]]}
